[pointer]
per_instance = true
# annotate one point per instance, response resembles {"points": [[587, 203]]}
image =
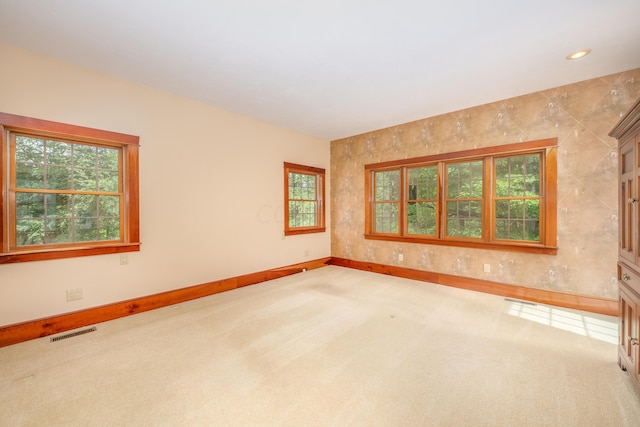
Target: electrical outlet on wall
{"points": [[74, 294]]}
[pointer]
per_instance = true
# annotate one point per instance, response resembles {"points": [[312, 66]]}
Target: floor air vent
{"points": [[520, 301], [73, 334]]}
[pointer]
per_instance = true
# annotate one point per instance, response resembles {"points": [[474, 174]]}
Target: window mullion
{"points": [[443, 199], [402, 210], [440, 201], [488, 218]]}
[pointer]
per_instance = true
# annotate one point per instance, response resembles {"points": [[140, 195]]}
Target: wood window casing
{"points": [[314, 199], [546, 149], [127, 146]]}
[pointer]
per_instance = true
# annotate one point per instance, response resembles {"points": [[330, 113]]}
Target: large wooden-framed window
{"points": [[501, 197], [304, 207], [66, 190]]}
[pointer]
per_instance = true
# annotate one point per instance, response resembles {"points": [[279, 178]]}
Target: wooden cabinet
{"points": [[627, 131], [628, 348]]}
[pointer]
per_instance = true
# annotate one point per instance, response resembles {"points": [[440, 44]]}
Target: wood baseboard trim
{"points": [[20, 332], [578, 302]]}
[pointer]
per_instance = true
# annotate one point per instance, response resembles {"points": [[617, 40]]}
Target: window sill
{"points": [[61, 253], [304, 231], [513, 247]]}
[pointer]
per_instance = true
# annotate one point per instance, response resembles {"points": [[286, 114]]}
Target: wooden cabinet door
{"points": [[634, 201], [628, 327], [635, 344], [629, 344], [627, 204]]}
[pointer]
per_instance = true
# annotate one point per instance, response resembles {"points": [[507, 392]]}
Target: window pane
{"points": [[58, 153], [29, 175], [302, 186], [108, 181], [29, 205], [29, 232], [84, 156], [86, 229], [518, 176], [109, 229], [58, 178], [532, 175], [518, 219], [532, 230], [57, 231], [109, 206], [58, 205], [85, 205], [386, 220], [516, 229], [464, 218], [532, 209], [518, 183], [108, 158], [464, 180], [423, 183], [421, 218], [84, 179], [387, 185], [302, 214], [502, 209], [29, 150], [64, 218]]}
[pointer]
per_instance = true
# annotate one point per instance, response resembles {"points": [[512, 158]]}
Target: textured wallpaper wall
{"points": [[579, 115]]}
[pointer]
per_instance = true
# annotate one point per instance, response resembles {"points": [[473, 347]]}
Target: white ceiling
{"points": [[334, 68]]}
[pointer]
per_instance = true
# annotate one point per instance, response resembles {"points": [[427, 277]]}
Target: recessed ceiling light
{"points": [[579, 54]]}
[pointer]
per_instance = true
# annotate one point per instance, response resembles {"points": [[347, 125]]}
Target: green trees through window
{"points": [[503, 197], [387, 202], [464, 199], [304, 199], [66, 190], [422, 199], [518, 197]]}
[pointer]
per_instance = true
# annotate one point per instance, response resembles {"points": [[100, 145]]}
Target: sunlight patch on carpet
{"points": [[585, 324]]}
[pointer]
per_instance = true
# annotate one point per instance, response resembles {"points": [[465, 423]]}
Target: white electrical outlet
{"points": [[124, 259], [74, 294], [486, 268], [400, 257]]}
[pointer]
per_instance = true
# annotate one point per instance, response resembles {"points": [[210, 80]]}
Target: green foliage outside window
{"points": [[422, 200], [302, 200], [497, 197], [464, 199], [387, 195], [517, 205], [66, 192]]}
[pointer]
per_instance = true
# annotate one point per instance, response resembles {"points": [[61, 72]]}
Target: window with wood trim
{"points": [[500, 197], [304, 210], [67, 190]]}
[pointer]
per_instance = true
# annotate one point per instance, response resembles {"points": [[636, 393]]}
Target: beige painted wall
{"points": [[579, 115], [211, 185]]}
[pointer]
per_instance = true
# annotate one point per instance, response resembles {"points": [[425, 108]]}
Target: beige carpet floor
{"points": [[329, 347]]}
